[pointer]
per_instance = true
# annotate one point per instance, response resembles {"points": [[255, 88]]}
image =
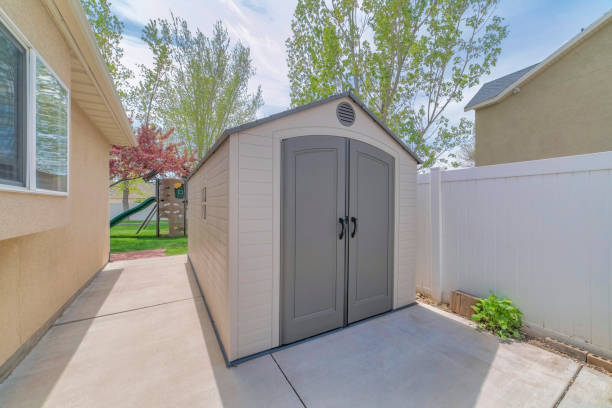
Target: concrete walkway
{"points": [[139, 335]]}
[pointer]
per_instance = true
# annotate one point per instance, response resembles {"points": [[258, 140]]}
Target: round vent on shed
{"points": [[345, 113]]}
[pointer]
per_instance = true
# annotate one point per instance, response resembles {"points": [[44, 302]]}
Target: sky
{"points": [[536, 29]]}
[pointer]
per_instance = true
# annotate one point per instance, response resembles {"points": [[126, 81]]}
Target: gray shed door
{"points": [[337, 234], [371, 212], [314, 199]]}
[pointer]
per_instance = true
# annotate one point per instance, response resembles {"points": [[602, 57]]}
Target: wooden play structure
{"points": [[170, 203]]}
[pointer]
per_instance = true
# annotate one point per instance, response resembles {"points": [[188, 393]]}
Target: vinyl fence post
{"points": [[435, 186]]}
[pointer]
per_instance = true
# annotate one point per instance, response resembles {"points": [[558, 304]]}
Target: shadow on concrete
{"points": [[35, 377], [412, 357], [255, 383]]}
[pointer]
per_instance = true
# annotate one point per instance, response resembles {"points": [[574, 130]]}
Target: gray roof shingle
{"points": [[492, 89]]}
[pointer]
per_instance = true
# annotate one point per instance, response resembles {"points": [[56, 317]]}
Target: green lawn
{"points": [[123, 238]]}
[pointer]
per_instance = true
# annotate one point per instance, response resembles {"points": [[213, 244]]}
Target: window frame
{"points": [[31, 57]]}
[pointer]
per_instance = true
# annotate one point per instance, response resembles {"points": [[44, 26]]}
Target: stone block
{"points": [[571, 351], [599, 362]]}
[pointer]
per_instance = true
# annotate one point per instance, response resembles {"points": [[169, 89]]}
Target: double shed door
{"points": [[337, 223]]}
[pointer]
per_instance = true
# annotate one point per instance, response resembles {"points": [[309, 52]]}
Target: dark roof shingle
{"points": [[491, 89]]}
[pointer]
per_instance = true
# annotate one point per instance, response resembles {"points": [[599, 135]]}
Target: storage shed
{"points": [[302, 222]]}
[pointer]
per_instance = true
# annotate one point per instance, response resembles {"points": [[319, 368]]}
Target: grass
{"points": [[123, 238]]}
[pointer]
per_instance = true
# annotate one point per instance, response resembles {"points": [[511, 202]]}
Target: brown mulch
{"points": [[429, 301], [126, 256]]}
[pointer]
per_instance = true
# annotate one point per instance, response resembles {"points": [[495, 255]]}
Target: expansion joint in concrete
{"points": [[123, 311], [288, 382], [569, 385]]}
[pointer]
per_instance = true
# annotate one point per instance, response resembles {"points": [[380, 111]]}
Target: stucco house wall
{"points": [[39, 272], [51, 245], [564, 110]]}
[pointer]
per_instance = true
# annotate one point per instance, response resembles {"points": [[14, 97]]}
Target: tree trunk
{"points": [[126, 196]]}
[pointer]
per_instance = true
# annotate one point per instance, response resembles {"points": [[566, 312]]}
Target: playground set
{"points": [[169, 203]]}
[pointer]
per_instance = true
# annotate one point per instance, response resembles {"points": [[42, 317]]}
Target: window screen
{"points": [[51, 131]]}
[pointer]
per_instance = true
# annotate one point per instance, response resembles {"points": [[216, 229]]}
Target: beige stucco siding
{"points": [[39, 272], [40, 212], [209, 240], [255, 308], [565, 110]]}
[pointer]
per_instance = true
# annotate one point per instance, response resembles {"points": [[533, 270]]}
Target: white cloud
{"points": [[262, 26], [536, 30]]}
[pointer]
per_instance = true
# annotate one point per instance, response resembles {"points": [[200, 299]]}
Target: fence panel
{"points": [[538, 232]]}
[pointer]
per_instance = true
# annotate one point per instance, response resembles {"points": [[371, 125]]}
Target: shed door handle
{"points": [[341, 221], [354, 220]]}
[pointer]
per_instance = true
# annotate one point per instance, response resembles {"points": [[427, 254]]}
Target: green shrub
{"points": [[499, 316]]}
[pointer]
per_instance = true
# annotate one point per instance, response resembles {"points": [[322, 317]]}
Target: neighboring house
{"points": [[59, 114], [561, 106]]}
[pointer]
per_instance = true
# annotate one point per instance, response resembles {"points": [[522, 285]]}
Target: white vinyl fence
{"points": [[538, 232]]}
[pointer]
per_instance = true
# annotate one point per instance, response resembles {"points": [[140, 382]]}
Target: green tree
{"points": [[207, 87], [146, 97], [408, 60], [108, 30]]}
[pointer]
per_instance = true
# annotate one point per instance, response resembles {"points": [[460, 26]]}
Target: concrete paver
{"points": [[591, 389], [140, 335], [157, 356], [132, 284], [418, 357]]}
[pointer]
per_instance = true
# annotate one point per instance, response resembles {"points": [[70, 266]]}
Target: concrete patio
{"points": [[140, 335]]}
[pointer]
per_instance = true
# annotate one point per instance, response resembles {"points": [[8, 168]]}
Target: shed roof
{"points": [[496, 90], [258, 122]]}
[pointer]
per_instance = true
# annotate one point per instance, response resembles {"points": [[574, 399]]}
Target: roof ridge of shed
{"points": [[347, 94]]}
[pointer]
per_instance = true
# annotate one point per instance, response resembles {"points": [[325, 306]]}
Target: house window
{"points": [[13, 136], [204, 204], [51, 130], [34, 118]]}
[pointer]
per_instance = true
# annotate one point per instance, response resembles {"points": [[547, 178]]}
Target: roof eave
{"points": [[552, 58], [72, 22]]}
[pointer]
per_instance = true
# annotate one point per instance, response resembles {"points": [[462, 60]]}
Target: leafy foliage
{"points": [[108, 30], [154, 155], [146, 97], [408, 60], [499, 316], [206, 85], [467, 153]]}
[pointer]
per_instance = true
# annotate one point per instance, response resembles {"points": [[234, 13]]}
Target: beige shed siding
{"points": [[255, 244], [405, 288], [209, 240], [258, 243]]}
